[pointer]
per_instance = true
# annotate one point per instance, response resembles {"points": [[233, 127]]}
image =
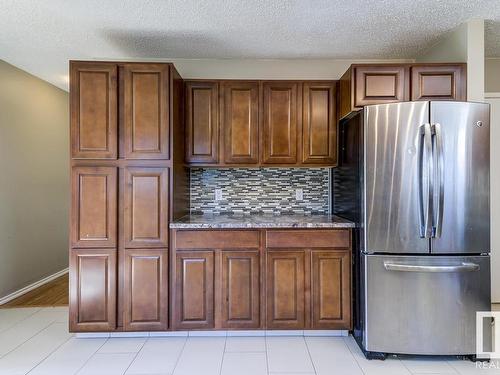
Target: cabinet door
{"points": [[438, 82], [145, 107], [202, 128], [286, 289], [331, 290], [93, 208], [145, 290], [92, 292], [146, 207], [240, 292], [93, 102], [319, 133], [241, 122], [380, 84], [279, 133], [194, 290]]}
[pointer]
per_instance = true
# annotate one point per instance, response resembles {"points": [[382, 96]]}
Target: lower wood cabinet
{"points": [[240, 289], [92, 294], [286, 289], [194, 290], [145, 290]]}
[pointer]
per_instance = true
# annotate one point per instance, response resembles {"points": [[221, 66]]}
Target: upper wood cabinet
{"points": [[94, 110], [92, 293], [145, 290], [366, 84], [444, 82], [145, 106], [240, 121], [319, 126], [202, 123], [94, 207], [145, 205], [280, 122]]}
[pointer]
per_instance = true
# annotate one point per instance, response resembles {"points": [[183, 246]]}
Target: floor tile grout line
{"points": [[28, 339], [135, 356], [91, 356], [52, 352], [223, 355], [352, 354], [180, 354], [20, 321], [310, 356]]}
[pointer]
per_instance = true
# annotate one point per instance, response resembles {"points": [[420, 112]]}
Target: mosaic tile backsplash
{"points": [[260, 190]]}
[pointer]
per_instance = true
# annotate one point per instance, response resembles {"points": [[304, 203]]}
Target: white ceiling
{"points": [[40, 36]]}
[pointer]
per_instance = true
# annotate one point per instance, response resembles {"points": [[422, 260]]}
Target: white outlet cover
{"points": [[299, 194], [218, 194]]}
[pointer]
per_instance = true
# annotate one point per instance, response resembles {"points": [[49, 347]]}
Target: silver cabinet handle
{"points": [[425, 213], [436, 129], [464, 267]]}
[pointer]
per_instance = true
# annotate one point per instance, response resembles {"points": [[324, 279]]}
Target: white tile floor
{"points": [[36, 341]]}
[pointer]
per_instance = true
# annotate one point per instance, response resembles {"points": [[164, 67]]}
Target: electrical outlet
{"points": [[299, 194], [218, 194]]}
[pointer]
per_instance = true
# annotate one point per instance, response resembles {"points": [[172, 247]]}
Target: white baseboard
{"points": [[36, 284]]}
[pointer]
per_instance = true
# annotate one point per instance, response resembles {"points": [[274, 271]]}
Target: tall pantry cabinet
{"points": [[127, 148]]}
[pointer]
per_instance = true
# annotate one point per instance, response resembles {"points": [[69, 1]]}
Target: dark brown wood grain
{"points": [[92, 295], [216, 239], [93, 110], [240, 121], [308, 238], [145, 290], [441, 82], [145, 105]]}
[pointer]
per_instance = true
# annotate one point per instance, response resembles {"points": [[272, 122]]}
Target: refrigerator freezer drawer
{"points": [[424, 304]]}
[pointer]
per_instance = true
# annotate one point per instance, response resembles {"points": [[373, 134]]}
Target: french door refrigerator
{"points": [[415, 178]]}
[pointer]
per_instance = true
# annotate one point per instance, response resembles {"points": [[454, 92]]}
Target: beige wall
{"points": [[492, 75], [451, 48], [34, 182]]}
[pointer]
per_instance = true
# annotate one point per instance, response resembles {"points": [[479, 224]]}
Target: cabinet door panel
{"points": [[319, 143], [145, 111], [146, 207], [380, 84], [145, 290], [202, 126], [280, 123], [194, 290], [240, 289], [92, 290], [286, 289], [445, 82], [331, 305], [93, 211], [93, 102], [240, 122]]}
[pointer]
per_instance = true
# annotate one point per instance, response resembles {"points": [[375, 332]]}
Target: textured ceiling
{"points": [[41, 36]]}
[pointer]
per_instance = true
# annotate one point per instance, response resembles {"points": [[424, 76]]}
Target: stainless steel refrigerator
{"points": [[415, 178]]}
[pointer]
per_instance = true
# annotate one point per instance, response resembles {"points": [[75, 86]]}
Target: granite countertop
{"points": [[260, 221]]}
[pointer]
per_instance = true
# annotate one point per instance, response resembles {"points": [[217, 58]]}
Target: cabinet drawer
{"points": [[216, 239], [318, 238]]}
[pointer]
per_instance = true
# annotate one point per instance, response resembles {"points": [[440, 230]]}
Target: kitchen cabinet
{"points": [[280, 122], [92, 294], [262, 123], [146, 207], [240, 122], [145, 290], [319, 126], [202, 122], [286, 289], [366, 84], [194, 290], [442, 82], [145, 107], [94, 207], [129, 181], [93, 107]]}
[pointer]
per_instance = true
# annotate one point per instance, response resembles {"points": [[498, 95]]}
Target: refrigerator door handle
{"points": [[439, 170], [425, 213], [463, 267]]}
